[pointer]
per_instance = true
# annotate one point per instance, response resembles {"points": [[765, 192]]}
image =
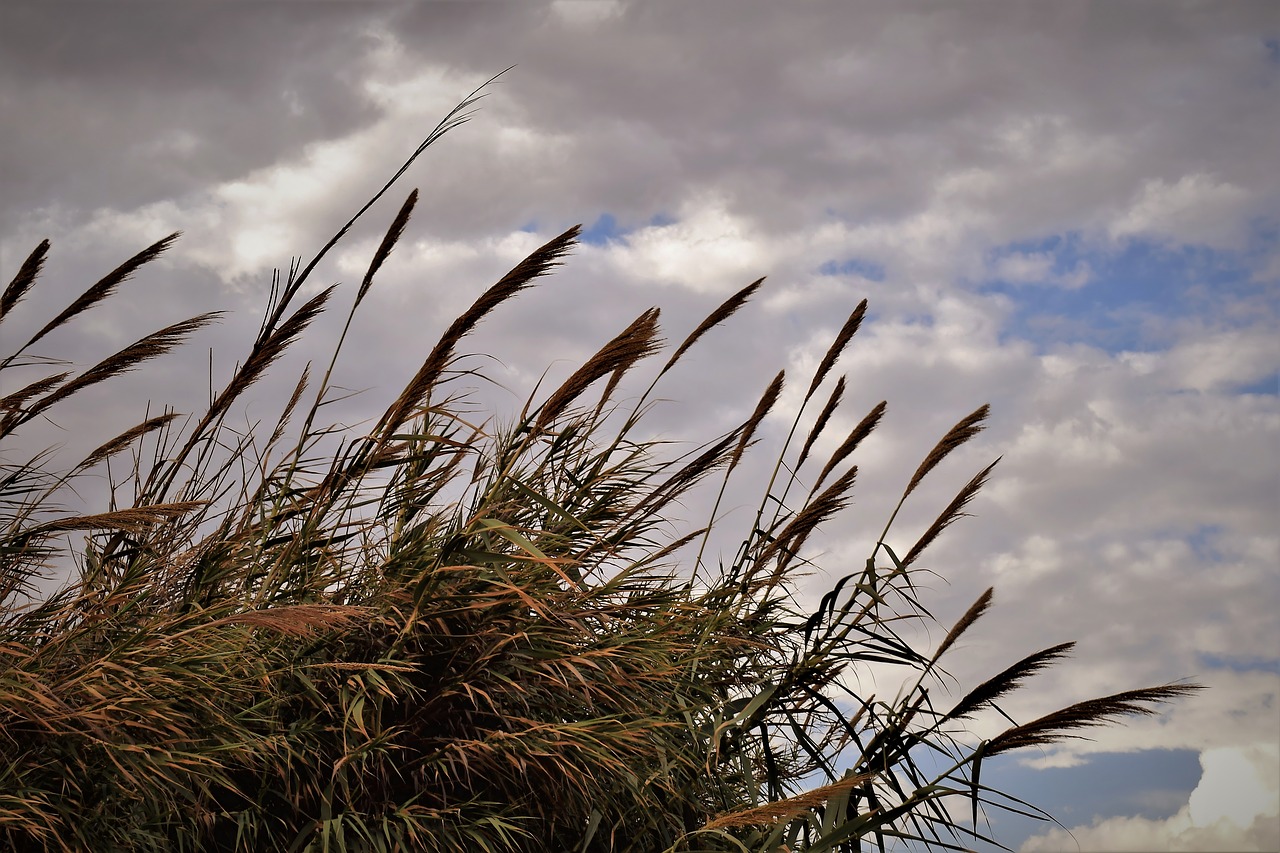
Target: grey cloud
{"points": [[125, 103]]}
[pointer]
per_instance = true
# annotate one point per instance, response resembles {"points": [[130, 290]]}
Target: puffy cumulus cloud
{"points": [[707, 249], [1195, 208], [1235, 807], [1039, 268], [1211, 361]]}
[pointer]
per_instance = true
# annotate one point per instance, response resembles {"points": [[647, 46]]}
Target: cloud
{"points": [[1195, 209], [1234, 808]]}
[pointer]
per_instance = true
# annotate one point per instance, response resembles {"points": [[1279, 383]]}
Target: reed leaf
{"points": [[765, 404], [105, 286], [638, 340], [389, 241], [833, 401], [722, 313], [1061, 725], [1007, 681], [954, 512], [537, 264], [842, 338], [968, 426], [25, 277], [855, 437]]}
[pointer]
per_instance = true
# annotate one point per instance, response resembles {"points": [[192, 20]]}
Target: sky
{"points": [[1070, 211]]}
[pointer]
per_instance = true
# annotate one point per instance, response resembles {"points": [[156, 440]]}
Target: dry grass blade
{"points": [[456, 117], [265, 353], [153, 345], [1059, 725], [967, 428], [638, 340], [842, 339], [13, 402], [1006, 682], [26, 276], [388, 242], [818, 510], [106, 286], [973, 614], [296, 620], [852, 440], [292, 404], [790, 807], [124, 439], [767, 399], [837, 394], [135, 518], [537, 264], [953, 513], [726, 310], [686, 476]]}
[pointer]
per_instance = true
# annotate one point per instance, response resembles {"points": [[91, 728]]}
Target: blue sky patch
{"points": [[853, 266], [1152, 784], [1240, 663], [600, 232], [1269, 386], [1135, 293], [607, 229]]}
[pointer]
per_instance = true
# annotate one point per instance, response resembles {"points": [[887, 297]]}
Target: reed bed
{"points": [[462, 634]]}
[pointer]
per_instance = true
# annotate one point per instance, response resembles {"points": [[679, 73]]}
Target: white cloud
{"points": [[1234, 808], [1197, 208], [708, 250], [1038, 268]]}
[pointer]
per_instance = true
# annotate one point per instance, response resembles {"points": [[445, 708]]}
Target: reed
{"points": [[462, 634]]}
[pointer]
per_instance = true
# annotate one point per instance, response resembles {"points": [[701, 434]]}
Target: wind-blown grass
{"points": [[455, 636]]}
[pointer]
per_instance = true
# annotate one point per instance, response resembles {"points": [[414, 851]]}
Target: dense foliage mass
{"points": [[460, 636]]}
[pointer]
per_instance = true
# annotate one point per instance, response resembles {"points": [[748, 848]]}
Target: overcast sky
{"points": [[1068, 210]]}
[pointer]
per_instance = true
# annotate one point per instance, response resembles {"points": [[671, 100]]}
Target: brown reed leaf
{"points": [[675, 485], [106, 286], [767, 400], [1058, 726], [852, 440], [817, 511], [1007, 681], [264, 353], [969, 426], [953, 513], [26, 276], [388, 242], [297, 620], [638, 340], [13, 402], [537, 264], [135, 518], [126, 438], [846, 333], [149, 347], [290, 405], [970, 616], [726, 310], [790, 807], [837, 394], [610, 387]]}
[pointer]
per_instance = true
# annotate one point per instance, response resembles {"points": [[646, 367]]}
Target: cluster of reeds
{"points": [[454, 636]]}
